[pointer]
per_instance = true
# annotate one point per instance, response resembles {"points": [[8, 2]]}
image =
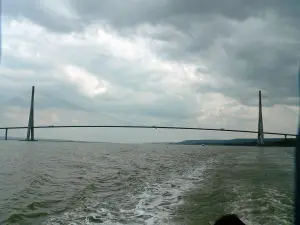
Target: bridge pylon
{"points": [[260, 134], [30, 129]]}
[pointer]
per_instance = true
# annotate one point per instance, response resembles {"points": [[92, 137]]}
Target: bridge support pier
{"points": [[260, 136], [6, 134], [30, 130]]}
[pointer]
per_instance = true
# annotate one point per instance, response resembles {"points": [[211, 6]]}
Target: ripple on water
{"points": [[154, 205]]}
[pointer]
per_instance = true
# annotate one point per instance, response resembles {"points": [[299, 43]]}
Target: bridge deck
{"points": [[147, 127]]}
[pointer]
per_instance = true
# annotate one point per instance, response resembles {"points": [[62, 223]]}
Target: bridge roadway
{"points": [[147, 127]]}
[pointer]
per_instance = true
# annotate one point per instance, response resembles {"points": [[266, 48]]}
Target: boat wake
{"points": [[154, 205]]}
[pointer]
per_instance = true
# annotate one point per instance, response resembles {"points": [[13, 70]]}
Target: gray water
{"points": [[90, 183]]}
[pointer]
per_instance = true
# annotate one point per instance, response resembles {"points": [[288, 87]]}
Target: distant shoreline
{"points": [[289, 142]]}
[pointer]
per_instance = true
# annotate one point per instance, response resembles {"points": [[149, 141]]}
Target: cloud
{"points": [[87, 83], [157, 62]]}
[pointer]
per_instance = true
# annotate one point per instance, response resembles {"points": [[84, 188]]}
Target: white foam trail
{"points": [[157, 202], [155, 205]]}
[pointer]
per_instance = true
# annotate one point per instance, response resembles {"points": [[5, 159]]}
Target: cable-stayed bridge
{"points": [[31, 127]]}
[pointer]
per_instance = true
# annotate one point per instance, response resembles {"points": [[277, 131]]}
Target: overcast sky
{"points": [[158, 62]]}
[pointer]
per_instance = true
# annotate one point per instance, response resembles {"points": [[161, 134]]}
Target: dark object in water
{"points": [[230, 219]]}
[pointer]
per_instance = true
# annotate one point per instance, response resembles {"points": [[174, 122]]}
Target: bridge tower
{"points": [[30, 130], [260, 136]]}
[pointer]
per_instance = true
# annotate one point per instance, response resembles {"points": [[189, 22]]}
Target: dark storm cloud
{"points": [[33, 11], [133, 12], [263, 64], [278, 76], [202, 30], [127, 13], [271, 67]]}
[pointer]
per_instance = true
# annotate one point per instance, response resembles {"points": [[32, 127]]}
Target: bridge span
{"points": [[146, 127], [30, 128]]}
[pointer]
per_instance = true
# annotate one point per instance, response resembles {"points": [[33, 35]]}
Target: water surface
{"points": [[94, 183]]}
